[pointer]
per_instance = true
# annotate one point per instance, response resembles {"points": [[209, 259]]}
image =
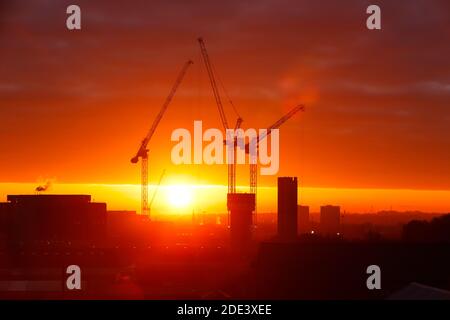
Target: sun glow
{"points": [[179, 196]]}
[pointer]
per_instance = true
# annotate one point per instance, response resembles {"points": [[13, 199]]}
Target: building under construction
{"points": [[241, 207]]}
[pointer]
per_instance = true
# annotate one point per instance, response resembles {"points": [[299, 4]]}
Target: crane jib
{"points": [[143, 151]]}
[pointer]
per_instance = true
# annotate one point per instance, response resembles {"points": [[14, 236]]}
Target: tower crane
{"points": [[223, 118], [142, 152], [276, 125]]}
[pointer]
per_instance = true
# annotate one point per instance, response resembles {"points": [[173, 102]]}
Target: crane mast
{"points": [[277, 124], [142, 152], [223, 118]]}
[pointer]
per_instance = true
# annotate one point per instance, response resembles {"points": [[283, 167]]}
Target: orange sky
{"points": [[75, 105], [212, 198]]}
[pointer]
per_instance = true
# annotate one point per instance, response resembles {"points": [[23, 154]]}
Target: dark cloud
{"points": [[391, 86]]}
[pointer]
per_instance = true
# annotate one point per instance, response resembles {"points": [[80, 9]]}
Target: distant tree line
{"points": [[436, 230]]}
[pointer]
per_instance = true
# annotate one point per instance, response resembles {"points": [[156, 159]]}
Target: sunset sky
{"points": [[74, 105]]}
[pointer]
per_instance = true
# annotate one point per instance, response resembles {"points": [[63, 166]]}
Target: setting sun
{"points": [[179, 196]]}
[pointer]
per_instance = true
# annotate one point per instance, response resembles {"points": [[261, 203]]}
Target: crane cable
{"points": [[224, 89]]}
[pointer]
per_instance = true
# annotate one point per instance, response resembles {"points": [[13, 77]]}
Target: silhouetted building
{"points": [[55, 218], [5, 214], [303, 219], [5, 225], [241, 206], [123, 223], [330, 219], [287, 208]]}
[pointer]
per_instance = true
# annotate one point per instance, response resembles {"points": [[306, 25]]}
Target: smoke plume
{"points": [[43, 187]]}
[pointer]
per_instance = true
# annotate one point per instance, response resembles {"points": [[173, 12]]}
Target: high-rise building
{"points": [[330, 219], [287, 208], [241, 206], [303, 220], [55, 218]]}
